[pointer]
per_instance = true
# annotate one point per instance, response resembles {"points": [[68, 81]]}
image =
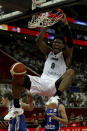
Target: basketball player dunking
{"points": [[56, 77]]}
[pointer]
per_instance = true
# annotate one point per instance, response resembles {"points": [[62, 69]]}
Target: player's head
{"points": [[58, 44], [6, 98]]}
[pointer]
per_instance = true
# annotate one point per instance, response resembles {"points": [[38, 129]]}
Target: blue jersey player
{"points": [[19, 122], [54, 117]]}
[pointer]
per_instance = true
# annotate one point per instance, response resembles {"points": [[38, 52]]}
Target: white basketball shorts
{"points": [[42, 86]]}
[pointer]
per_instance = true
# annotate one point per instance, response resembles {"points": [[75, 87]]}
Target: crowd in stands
{"points": [[37, 117], [76, 95], [26, 53], [70, 99], [29, 54]]}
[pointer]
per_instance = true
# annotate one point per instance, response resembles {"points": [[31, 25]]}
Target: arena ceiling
{"points": [[76, 9]]}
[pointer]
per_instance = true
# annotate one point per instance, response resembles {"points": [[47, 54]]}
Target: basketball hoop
{"points": [[45, 19]]}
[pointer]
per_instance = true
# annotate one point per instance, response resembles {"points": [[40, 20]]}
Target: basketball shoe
{"points": [[52, 102], [13, 113]]}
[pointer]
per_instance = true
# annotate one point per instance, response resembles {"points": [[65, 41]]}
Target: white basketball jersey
{"points": [[55, 66]]}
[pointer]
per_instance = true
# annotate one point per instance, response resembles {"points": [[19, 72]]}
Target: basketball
{"points": [[18, 70]]}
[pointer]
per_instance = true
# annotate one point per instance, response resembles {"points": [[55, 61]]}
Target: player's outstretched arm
{"points": [[30, 105], [69, 45], [38, 128], [45, 49]]}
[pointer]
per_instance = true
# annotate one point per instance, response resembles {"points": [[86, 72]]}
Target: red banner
{"points": [[62, 129]]}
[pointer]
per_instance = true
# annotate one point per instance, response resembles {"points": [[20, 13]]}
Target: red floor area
{"points": [[62, 129]]}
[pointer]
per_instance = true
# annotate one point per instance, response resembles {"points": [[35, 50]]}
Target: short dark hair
{"points": [[8, 95], [61, 37]]}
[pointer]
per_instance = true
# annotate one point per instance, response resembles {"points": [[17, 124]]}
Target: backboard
{"points": [[26, 8], [47, 4]]}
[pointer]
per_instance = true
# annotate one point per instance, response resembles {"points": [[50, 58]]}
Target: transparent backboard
{"points": [[18, 9], [51, 3]]}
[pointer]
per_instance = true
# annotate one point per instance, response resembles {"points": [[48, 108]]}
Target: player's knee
{"points": [[71, 72], [27, 82], [57, 83]]}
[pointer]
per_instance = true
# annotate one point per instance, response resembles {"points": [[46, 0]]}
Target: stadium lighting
{"points": [[12, 14]]}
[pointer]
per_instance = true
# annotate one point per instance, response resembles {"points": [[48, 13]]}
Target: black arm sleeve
{"points": [[68, 35]]}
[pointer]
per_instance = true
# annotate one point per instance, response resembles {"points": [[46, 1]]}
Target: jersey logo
{"points": [[56, 59], [55, 110]]}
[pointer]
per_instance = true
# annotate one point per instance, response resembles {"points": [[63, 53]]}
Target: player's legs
{"points": [[18, 87], [61, 85], [34, 84], [22, 123]]}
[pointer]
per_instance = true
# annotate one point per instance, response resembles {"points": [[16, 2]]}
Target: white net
{"points": [[45, 19]]}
